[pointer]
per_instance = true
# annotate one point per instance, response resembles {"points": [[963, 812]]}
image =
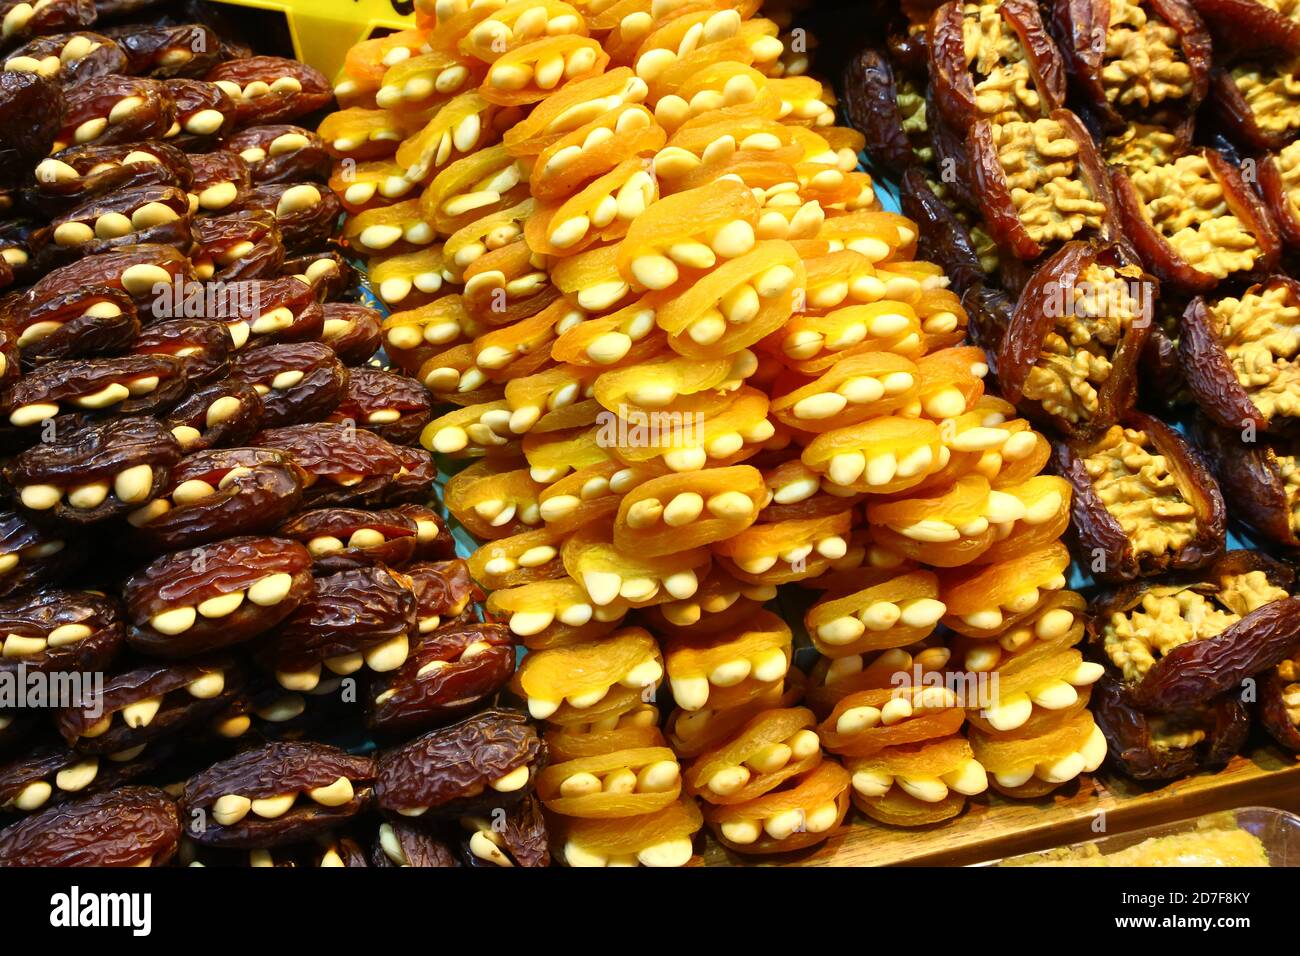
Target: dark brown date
{"points": [[236, 246], [1070, 354], [328, 273], [95, 472], [1247, 26], [31, 107], [215, 595], [69, 58], [450, 671], [58, 630], [270, 712], [32, 554], [404, 844], [270, 89], [125, 217], [281, 154], [81, 173], [116, 109], [339, 852], [280, 793], [128, 385], [872, 104], [228, 412], [298, 382], [49, 775], [271, 310], [128, 826], [1144, 501], [221, 182], [444, 591], [94, 321], [204, 114], [23, 20], [1256, 478], [202, 347], [185, 49], [352, 330], [391, 405], [482, 762], [149, 273], [346, 464], [354, 619], [341, 539], [413, 482], [305, 212], [216, 494], [516, 839], [149, 702], [942, 237], [1277, 708]]}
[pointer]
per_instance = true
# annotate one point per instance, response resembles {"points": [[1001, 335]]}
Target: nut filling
{"points": [[1289, 671], [1004, 86], [1039, 159], [1141, 147], [1289, 470], [1135, 484], [1143, 63], [1077, 355], [1261, 334], [1272, 93], [1288, 167], [1186, 204]]}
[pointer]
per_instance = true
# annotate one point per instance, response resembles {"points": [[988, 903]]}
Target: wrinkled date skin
{"points": [[221, 182], [129, 385], [517, 839], [299, 382], [77, 57], [180, 604], [129, 826], [348, 465], [989, 310], [204, 113], [353, 331], [306, 213], [349, 612], [1096, 532], [272, 89], [1160, 257], [1252, 480], [203, 347], [954, 86], [97, 320], [451, 771], [1273, 712], [281, 153], [186, 49], [89, 114], [942, 237], [142, 214], [1208, 371], [1128, 734], [30, 110], [144, 271], [23, 781], [1081, 27], [1035, 317], [33, 554], [1235, 115], [271, 310], [393, 406], [228, 412], [405, 844], [330, 276], [444, 591], [1196, 672], [150, 702], [79, 174], [28, 20], [282, 769], [219, 493], [1249, 25], [131, 456], [59, 630], [451, 671], [434, 543], [341, 539], [238, 245], [871, 102]]}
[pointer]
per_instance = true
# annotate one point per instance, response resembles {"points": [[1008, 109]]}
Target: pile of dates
{"points": [[1111, 186], [219, 540], [694, 382]]}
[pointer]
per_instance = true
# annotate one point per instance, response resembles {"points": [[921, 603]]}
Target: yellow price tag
{"points": [[324, 30]]}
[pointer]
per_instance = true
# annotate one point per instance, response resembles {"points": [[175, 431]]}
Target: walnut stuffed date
{"points": [[1143, 500], [1260, 480], [215, 595], [280, 793], [128, 826], [481, 762]]}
